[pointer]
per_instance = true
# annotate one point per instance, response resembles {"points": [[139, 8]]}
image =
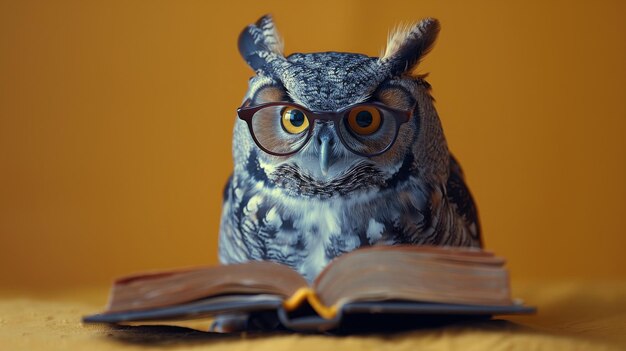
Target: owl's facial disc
{"points": [[324, 165], [323, 157]]}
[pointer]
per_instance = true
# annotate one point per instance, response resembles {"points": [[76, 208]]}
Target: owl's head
{"points": [[330, 124]]}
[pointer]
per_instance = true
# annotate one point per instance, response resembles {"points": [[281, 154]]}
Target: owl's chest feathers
{"points": [[307, 232]]}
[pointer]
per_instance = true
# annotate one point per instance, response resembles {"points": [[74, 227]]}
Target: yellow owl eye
{"points": [[294, 121], [364, 120]]}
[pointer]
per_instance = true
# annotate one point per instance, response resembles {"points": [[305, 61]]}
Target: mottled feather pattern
{"points": [[284, 209], [348, 79], [269, 35], [295, 182]]}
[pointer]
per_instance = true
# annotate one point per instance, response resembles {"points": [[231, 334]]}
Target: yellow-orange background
{"points": [[116, 120]]}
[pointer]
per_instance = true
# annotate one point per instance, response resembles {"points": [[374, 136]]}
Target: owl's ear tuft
{"points": [[407, 44], [260, 43]]}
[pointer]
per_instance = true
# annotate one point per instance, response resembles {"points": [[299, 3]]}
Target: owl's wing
{"points": [[460, 197], [226, 190]]}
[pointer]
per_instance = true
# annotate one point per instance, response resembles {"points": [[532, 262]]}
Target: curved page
{"points": [[426, 274], [161, 289]]}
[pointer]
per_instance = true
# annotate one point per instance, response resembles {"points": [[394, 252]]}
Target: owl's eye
{"points": [[364, 120], [294, 121]]}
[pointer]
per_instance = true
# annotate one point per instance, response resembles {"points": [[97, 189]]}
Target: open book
{"points": [[383, 280]]}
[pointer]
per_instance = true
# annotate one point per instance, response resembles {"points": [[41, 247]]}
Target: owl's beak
{"points": [[324, 153]]}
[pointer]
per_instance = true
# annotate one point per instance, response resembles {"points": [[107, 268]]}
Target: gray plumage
{"points": [[291, 210]]}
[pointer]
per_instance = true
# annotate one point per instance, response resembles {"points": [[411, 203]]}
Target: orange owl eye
{"points": [[294, 121], [364, 120]]}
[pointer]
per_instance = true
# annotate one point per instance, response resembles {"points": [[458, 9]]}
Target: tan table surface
{"points": [[572, 316]]}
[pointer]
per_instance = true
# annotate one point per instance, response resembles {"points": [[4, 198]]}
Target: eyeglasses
{"points": [[283, 128]]}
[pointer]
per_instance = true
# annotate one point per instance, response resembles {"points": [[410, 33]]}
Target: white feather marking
{"points": [[374, 230], [253, 204], [267, 167], [273, 218]]}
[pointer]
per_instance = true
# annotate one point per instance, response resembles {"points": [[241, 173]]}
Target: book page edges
{"points": [[330, 312], [160, 289]]}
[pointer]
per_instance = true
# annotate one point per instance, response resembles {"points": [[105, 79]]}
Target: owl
{"points": [[336, 151]]}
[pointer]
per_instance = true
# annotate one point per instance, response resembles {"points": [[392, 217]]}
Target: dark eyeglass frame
{"points": [[246, 113]]}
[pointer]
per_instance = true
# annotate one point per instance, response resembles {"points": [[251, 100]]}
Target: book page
{"points": [[414, 273], [160, 289]]}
